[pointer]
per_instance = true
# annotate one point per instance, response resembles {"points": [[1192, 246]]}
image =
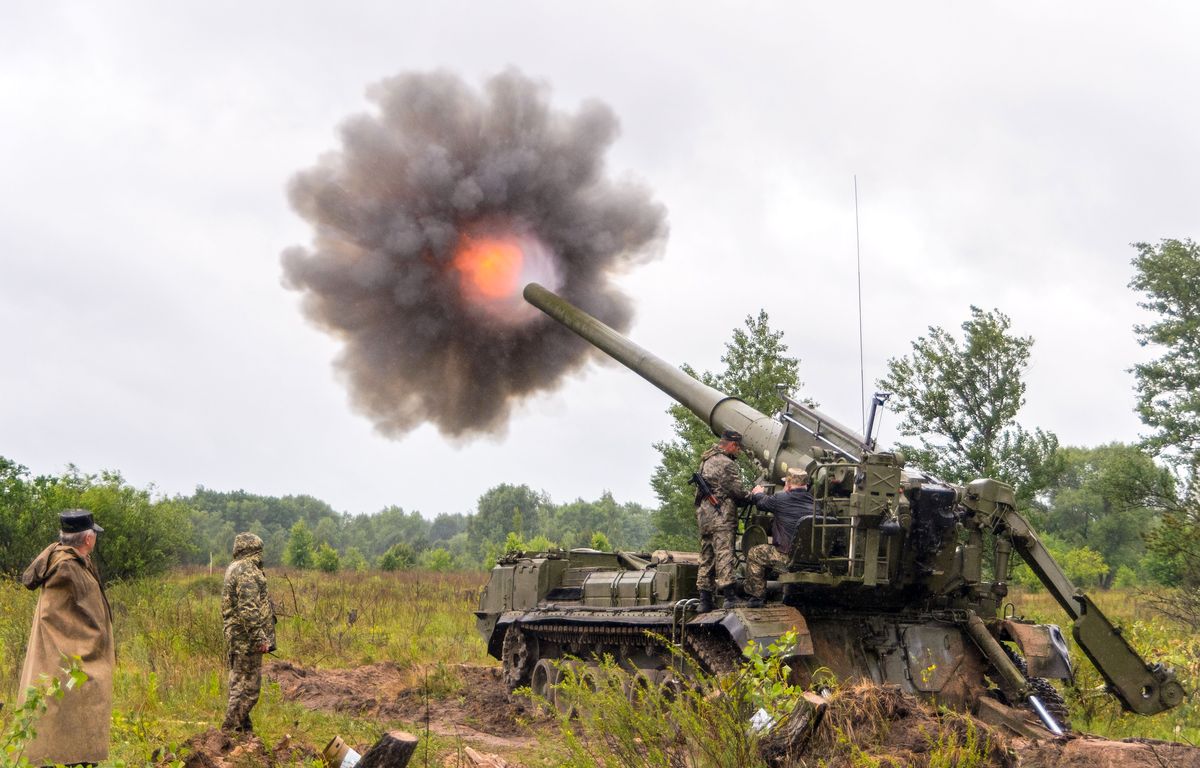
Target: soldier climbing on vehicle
{"points": [[716, 517], [787, 510]]}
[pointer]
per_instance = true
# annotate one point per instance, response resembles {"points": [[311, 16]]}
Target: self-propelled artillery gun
{"points": [[886, 583]]}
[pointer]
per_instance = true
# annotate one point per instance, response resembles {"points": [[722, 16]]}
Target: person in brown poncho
{"points": [[72, 618]]}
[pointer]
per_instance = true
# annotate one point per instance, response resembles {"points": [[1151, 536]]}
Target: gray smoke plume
{"points": [[404, 268]]}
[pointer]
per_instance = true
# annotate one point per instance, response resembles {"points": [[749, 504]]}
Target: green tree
{"points": [[1168, 389], [299, 552], [142, 535], [505, 508], [353, 560], [960, 400], [399, 557], [756, 363], [1084, 566], [1106, 498], [438, 560], [600, 542], [326, 559]]}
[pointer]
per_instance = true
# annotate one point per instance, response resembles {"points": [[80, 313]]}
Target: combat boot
{"points": [[754, 602], [731, 598], [706, 601]]}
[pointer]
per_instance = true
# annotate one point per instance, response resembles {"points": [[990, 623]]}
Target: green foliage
{"points": [[600, 541], [627, 526], [756, 363], [353, 560], [299, 553], [1158, 639], [1106, 498], [399, 557], [326, 559], [506, 508], [960, 400], [705, 725], [1084, 566], [142, 535], [540, 543], [1169, 276], [1125, 578], [438, 560], [21, 726], [513, 542]]}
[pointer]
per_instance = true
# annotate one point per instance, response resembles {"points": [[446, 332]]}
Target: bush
{"points": [[1084, 566], [438, 560], [1126, 577], [540, 543], [353, 560], [399, 557], [299, 552], [600, 542], [327, 559]]}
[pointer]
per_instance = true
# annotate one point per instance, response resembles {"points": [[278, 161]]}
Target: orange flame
{"points": [[489, 267]]}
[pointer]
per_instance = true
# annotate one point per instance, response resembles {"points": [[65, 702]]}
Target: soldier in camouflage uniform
{"points": [[787, 509], [716, 517], [249, 629]]}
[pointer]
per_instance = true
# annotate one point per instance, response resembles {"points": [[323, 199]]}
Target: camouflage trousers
{"points": [[759, 560], [716, 555], [245, 682]]}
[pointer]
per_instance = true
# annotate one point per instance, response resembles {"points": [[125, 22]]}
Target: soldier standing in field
{"points": [[249, 629], [787, 510], [716, 516]]}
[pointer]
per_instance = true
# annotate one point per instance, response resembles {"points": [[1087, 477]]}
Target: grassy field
{"points": [[170, 680], [169, 683], [1156, 639]]}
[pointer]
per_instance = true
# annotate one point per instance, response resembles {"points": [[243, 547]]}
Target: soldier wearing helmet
{"points": [[249, 629], [716, 516]]}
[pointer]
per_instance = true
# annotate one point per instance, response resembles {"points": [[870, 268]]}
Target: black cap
{"points": [[76, 520], [732, 435]]}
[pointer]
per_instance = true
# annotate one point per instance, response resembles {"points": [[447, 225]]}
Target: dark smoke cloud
{"points": [[437, 161]]}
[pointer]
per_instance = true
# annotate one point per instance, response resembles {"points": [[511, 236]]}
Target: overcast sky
{"points": [[1006, 156]]}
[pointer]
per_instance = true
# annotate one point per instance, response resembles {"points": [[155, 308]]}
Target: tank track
{"points": [[717, 654], [1050, 696]]}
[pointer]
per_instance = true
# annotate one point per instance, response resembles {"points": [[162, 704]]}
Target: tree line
{"points": [[1119, 513], [144, 535]]}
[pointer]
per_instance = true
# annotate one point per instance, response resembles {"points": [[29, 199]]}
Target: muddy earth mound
{"points": [[869, 724], [214, 749], [881, 725], [474, 705]]}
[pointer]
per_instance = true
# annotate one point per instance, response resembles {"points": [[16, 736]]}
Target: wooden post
{"points": [[393, 750]]}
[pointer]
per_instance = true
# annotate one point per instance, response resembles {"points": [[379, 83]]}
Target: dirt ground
{"points": [[897, 729], [890, 726], [213, 749], [481, 714]]}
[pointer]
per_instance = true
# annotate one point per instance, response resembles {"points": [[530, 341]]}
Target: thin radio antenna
{"points": [[862, 376]]}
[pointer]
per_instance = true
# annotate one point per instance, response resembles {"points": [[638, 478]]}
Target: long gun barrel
{"points": [[767, 438]]}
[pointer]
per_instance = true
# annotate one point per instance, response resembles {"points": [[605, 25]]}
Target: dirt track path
{"points": [[481, 713]]}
